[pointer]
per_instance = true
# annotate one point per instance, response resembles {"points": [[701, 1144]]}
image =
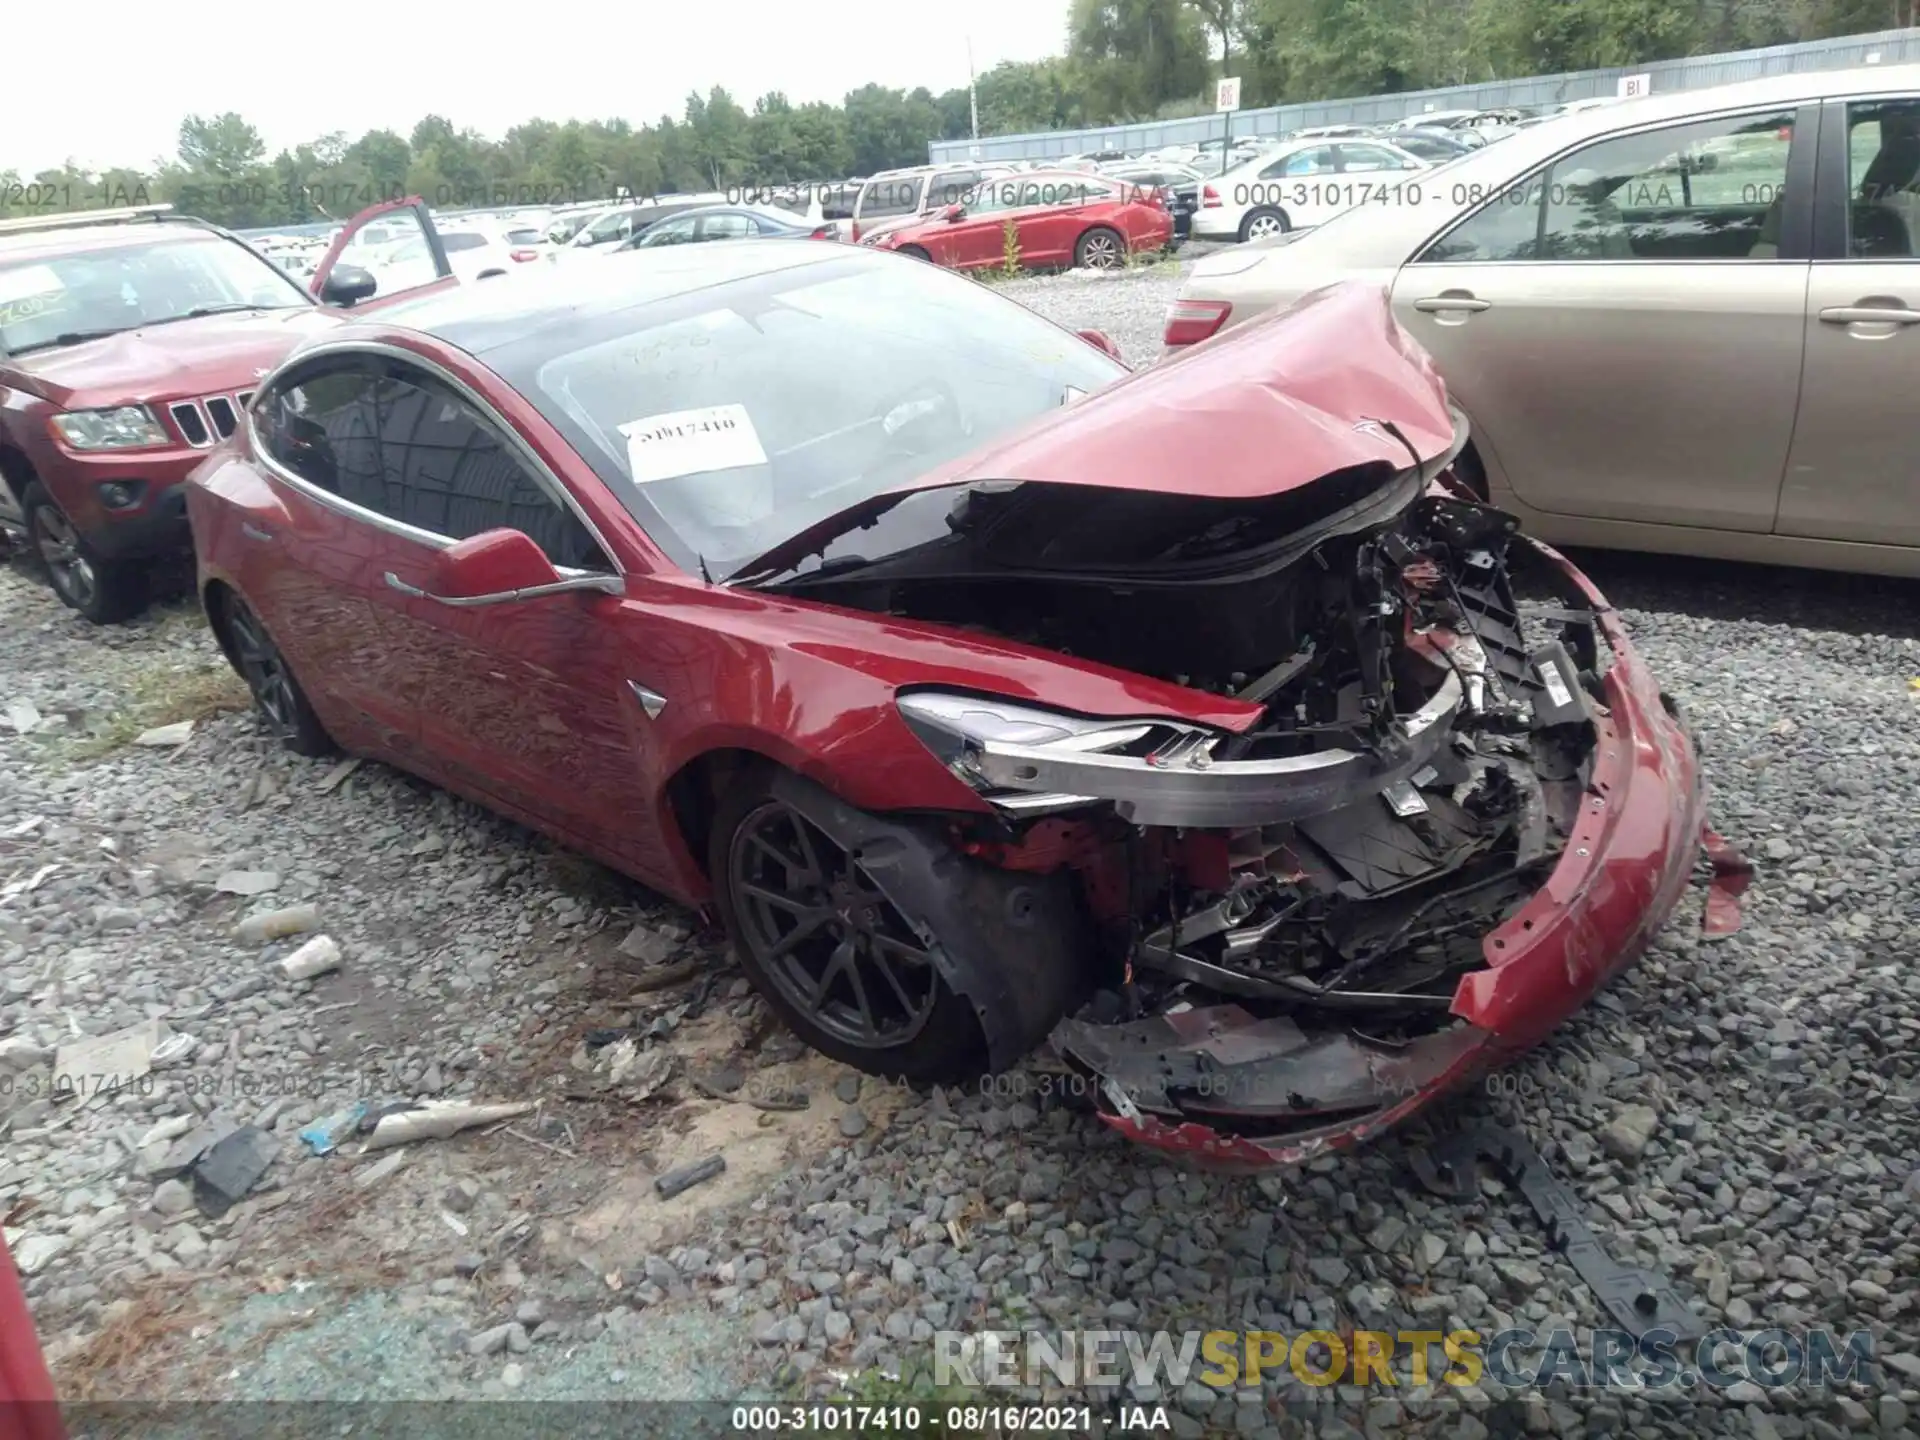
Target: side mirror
{"points": [[953, 213], [1099, 340], [497, 566], [347, 285]]}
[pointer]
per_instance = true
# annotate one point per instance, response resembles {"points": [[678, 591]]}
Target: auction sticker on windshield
{"points": [[28, 291], [26, 282], [691, 442]]}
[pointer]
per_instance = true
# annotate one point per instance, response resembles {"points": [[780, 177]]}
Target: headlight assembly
{"points": [[126, 427], [1156, 771], [1006, 751]]}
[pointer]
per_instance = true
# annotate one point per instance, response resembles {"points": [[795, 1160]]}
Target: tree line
{"points": [[1123, 60]]}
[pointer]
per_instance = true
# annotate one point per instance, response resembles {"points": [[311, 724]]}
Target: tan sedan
{"points": [[1688, 324]]}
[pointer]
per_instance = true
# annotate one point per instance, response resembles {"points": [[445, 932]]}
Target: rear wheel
{"points": [[1100, 249], [829, 953], [103, 590], [1263, 222], [283, 705]]}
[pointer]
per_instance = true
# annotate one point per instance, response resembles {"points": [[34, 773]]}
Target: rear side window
{"points": [[394, 441], [1369, 157], [462, 240], [1883, 179], [897, 195], [952, 187], [1316, 161], [1698, 190], [726, 227]]}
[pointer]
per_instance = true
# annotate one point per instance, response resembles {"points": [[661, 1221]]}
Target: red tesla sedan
{"points": [[989, 694], [1067, 217]]}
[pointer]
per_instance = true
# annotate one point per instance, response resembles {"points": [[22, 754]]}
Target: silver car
{"points": [[1687, 324]]}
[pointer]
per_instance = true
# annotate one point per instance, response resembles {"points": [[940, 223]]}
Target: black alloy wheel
{"points": [[282, 704], [102, 590], [826, 949], [825, 937]]}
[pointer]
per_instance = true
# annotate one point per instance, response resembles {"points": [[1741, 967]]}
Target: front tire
{"points": [[830, 954], [104, 591], [1262, 222], [913, 252], [1100, 249], [282, 705]]}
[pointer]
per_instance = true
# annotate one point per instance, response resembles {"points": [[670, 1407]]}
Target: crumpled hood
{"points": [[171, 362], [1268, 407]]}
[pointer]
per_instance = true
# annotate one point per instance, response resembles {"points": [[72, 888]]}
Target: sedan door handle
{"points": [[254, 532], [1439, 304], [1870, 315]]}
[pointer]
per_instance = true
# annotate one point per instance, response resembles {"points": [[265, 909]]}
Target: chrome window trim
{"points": [[542, 475]]}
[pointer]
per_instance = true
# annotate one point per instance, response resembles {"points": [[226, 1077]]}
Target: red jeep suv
{"points": [[130, 342]]}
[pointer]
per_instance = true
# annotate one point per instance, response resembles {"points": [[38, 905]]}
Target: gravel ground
{"points": [[1129, 305], [1741, 1113]]}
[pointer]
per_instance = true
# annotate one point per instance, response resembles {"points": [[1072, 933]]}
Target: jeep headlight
{"points": [[126, 427]]}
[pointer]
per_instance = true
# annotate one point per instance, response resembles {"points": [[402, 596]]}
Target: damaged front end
{"points": [[1454, 819], [1430, 818]]}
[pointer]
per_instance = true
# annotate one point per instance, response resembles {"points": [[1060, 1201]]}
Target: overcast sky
{"points": [[297, 70]]}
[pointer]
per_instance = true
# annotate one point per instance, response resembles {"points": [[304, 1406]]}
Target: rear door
{"points": [[1853, 474], [1055, 217], [1625, 325], [407, 259]]}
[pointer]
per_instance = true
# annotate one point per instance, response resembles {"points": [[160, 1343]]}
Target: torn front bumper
{"points": [[1235, 1091]]}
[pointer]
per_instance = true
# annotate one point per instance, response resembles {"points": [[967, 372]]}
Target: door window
{"points": [[396, 442], [1883, 180], [1370, 157], [616, 226], [994, 197], [667, 232], [889, 196], [1317, 161], [726, 227], [1699, 190], [952, 187]]}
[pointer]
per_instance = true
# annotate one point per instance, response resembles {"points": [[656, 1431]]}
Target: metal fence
{"points": [[1882, 47]]}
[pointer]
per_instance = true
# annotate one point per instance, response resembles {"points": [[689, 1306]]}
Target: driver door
{"points": [[404, 256], [977, 240]]}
